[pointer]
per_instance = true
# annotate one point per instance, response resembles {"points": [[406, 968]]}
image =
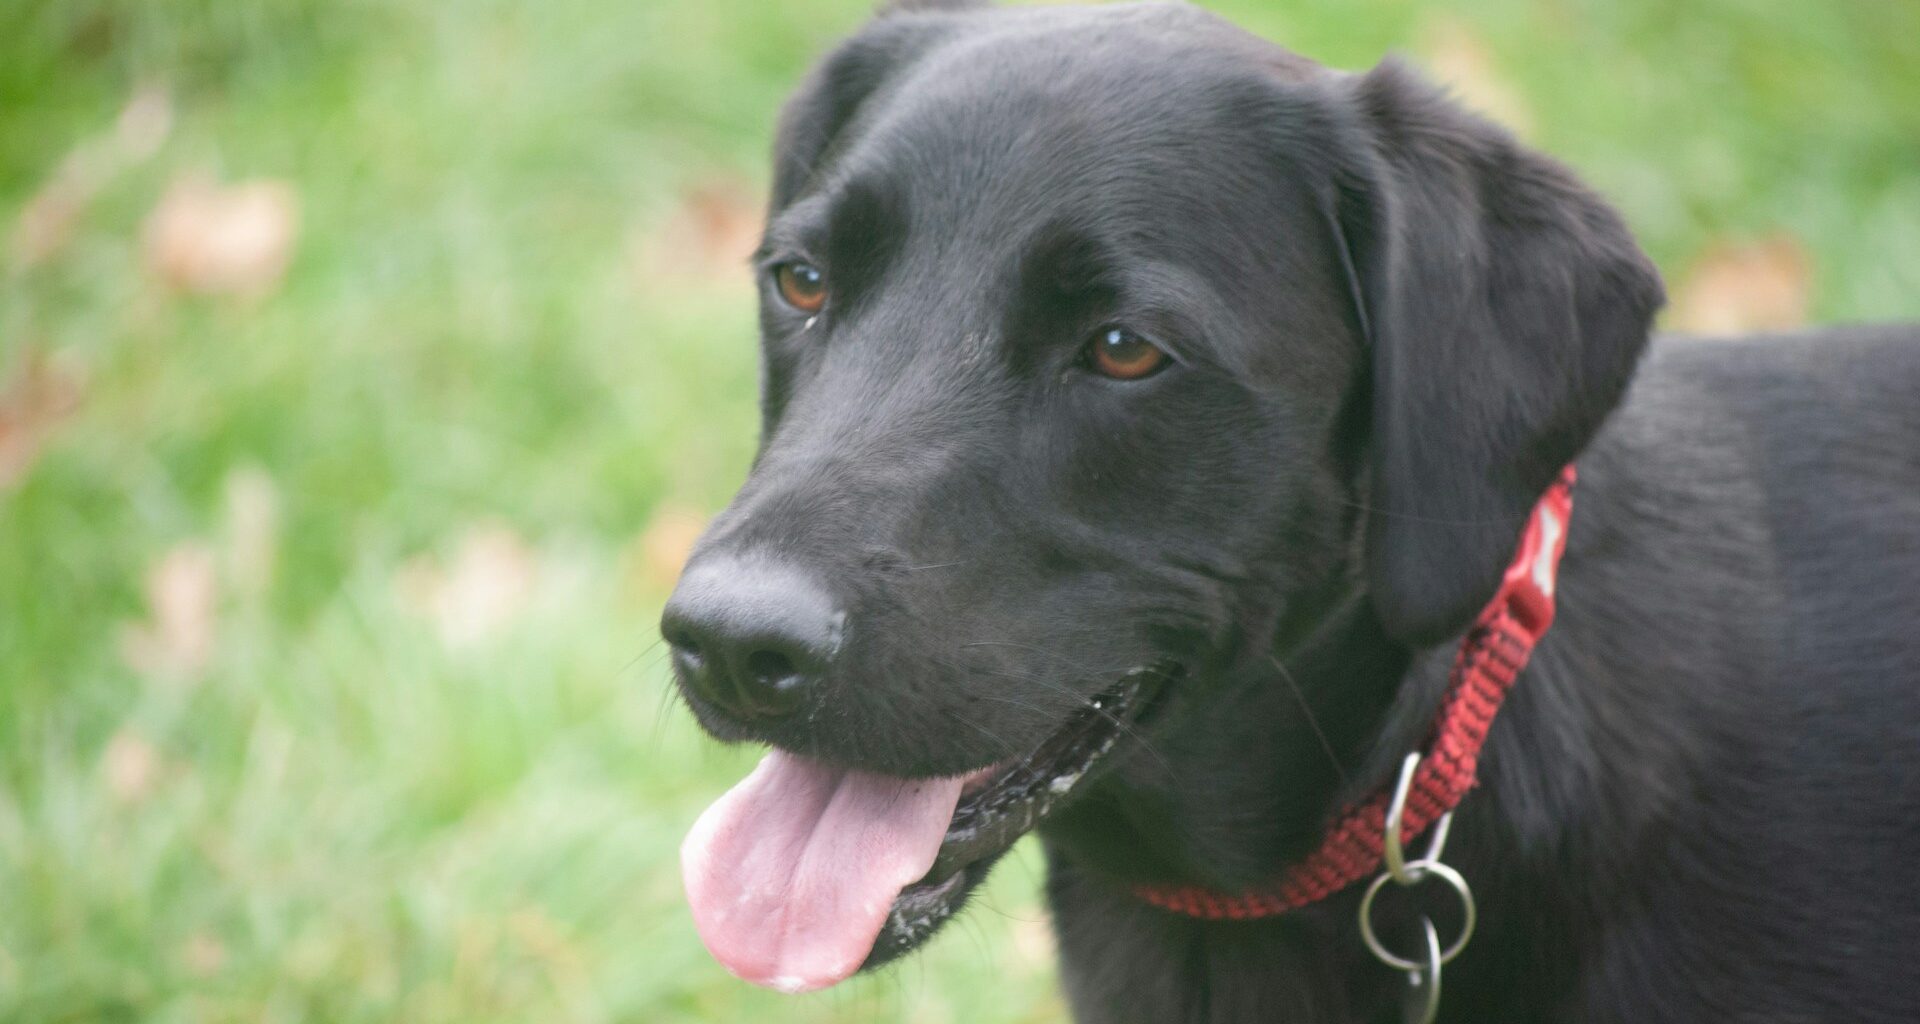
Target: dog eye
{"points": [[801, 285], [1123, 355]]}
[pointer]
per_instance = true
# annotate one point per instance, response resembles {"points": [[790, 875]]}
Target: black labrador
{"points": [[1147, 413]]}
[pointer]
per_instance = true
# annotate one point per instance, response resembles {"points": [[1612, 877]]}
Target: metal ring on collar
{"points": [[1395, 856], [1424, 869]]}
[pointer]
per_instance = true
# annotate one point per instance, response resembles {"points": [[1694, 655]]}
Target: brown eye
{"points": [[1123, 355], [802, 285]]}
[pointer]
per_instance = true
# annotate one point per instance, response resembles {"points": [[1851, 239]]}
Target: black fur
{"points": [[1391, 325]]}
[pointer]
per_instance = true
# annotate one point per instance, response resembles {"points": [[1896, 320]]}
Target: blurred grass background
{"points": [[365, 367]]}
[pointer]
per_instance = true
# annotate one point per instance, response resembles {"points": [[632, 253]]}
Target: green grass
{"points": [[339, 812]]}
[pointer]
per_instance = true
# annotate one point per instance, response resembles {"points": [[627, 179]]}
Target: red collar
{"points": [[1491, 656]]}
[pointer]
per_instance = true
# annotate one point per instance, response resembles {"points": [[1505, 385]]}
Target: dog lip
{"points": [[1007, 801]]}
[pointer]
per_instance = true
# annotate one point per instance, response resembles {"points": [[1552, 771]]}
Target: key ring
{"points": [[1428, 869]]}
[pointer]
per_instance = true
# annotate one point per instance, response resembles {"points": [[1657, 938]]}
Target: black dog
{"points": [[1147, 413]]}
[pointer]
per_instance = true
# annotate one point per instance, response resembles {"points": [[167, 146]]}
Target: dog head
{"points": [[1100, 346]]}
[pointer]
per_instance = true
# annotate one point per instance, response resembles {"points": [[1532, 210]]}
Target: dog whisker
{"points": [[955, 716], [1313, 721], [669, 695], [636, 659]]}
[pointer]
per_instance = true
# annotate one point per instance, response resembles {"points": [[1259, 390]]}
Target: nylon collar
{"points": [[1491, 656]]}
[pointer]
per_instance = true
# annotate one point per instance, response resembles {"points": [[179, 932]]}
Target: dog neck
{"points": [[1442, 768], [1587, 767]]}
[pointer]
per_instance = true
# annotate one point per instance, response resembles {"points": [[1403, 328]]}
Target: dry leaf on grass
{"points": [[252, 534], [709, 237], [212, 239], [1739, 287], [49, 217], [47, 221], [144, 123], [662, 549], [486, 586], [38, 392], [203, 955], [176, 642], [1461, 60], [130, 767]]}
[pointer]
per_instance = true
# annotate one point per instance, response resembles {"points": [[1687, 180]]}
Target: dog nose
{"points": [[752, 638]]}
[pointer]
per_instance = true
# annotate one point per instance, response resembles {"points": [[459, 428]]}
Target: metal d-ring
{"points": [[1404, 873], [1395, 856]]}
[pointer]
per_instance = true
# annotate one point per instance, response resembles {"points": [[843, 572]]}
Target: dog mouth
{"points": [[805, 873]]}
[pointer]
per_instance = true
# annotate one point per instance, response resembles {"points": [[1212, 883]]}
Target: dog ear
{"points": [[837, 88], [1506, 306]]}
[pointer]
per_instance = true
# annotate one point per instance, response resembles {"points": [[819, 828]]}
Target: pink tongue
{"points": [[791, 873]]}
